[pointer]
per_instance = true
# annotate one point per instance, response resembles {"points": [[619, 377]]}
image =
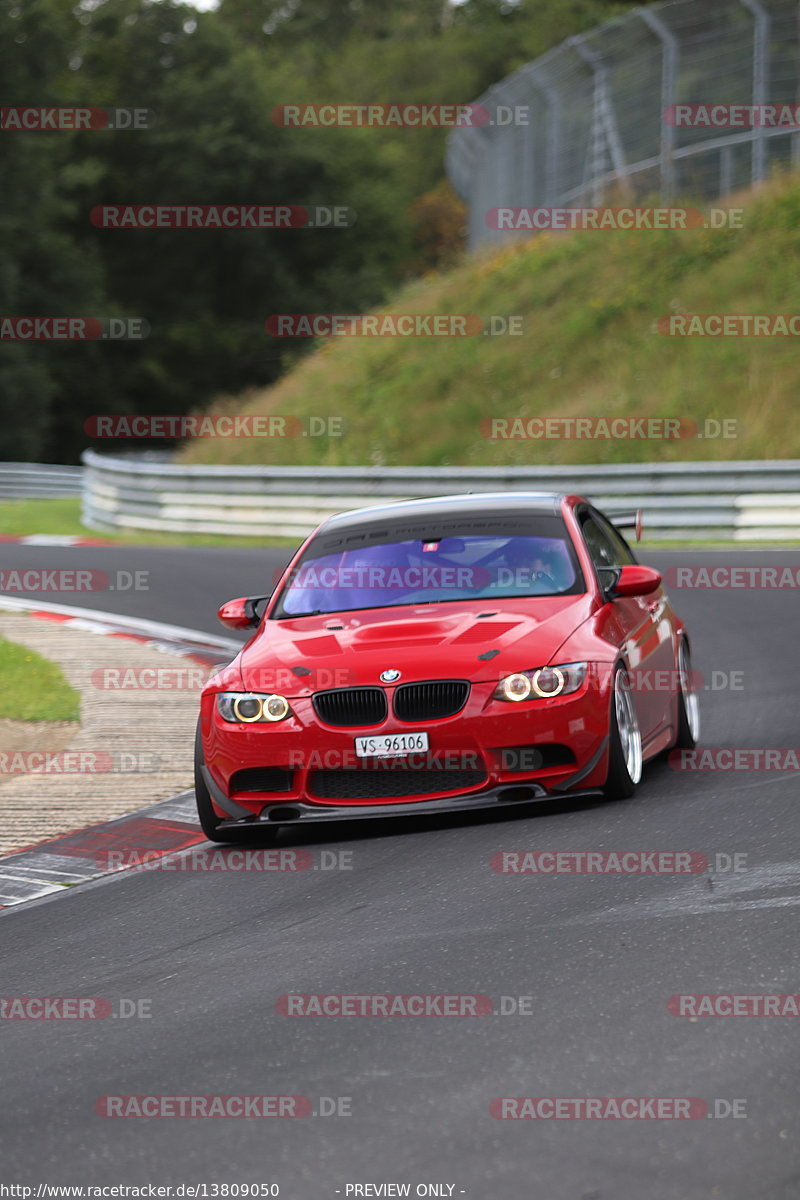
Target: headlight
{"points": [[541, 683], [247, 707]]}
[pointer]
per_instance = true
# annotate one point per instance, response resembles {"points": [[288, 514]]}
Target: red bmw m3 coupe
{"points": [[446, 654]]}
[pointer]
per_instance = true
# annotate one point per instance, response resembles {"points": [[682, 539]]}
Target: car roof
{"points": [[469, 504]]}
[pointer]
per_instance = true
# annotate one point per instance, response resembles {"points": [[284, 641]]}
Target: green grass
{"points": [[33, 689], [589, 303], [19, 518]]}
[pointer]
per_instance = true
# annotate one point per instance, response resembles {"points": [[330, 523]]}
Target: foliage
{"points": [[213, 78]]}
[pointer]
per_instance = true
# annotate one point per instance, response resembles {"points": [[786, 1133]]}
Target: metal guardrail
{"points": [[739, 501], [596, 105], [20, 481]]}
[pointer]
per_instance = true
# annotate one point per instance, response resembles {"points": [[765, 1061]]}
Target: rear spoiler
{"points": [[628, 520]]}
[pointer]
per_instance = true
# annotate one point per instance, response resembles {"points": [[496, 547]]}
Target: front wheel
{"points": [[688, 703], [625, 741]]}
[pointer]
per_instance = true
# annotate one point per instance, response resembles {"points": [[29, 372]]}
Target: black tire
{"points": [[209, 821], [688, 707], [620, 784]]}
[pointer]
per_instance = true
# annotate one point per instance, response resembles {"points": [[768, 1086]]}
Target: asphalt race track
{"points": [[181, 585], [421, 911]]}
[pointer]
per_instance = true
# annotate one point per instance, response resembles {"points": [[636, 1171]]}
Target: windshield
{"points": [[418, 571]]}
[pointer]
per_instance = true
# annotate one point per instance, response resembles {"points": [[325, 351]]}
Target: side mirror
{"points": [[636, 581], [241, 613]]}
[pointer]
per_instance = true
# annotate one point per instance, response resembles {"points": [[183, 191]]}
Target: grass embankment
{"points": [[33, 689], [590, 302]]}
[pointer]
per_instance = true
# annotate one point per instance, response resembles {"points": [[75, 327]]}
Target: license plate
{"points": [[388, 745]]}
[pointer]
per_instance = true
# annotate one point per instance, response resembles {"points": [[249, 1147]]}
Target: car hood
{"points": [[442, 641]]}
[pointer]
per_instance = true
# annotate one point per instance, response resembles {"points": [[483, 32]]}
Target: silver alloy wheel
{"points": [[628, 726], [691, 701]]}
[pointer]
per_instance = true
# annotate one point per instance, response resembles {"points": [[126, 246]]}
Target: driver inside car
{"points": [[534, 567]]}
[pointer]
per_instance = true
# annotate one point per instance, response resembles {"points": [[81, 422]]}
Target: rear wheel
{"points": [[209, 821], [625, 741], [688, 703]]}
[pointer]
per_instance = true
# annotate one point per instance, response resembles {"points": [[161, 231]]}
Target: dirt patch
{"points": [[26, 737]]}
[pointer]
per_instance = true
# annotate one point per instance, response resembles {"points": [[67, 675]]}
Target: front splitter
{"points": [[508, 796]]}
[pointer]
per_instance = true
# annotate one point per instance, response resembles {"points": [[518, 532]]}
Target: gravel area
{"points": [[134, 745]]}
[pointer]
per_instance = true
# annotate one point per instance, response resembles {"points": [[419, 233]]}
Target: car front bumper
{"points": [[577, 723], [290, 812]]}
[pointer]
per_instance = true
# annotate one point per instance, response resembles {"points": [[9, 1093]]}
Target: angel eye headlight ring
{"points": [[545, 693], [274, 708], [248, 708], [517, 687]]}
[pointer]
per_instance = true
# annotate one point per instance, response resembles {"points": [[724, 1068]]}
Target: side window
{"points": [[601, 550], [623, 554]]}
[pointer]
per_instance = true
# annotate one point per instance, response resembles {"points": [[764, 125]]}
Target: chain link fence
{"points": [[598, 112]]}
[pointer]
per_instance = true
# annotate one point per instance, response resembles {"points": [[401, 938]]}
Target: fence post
{"points": [[506, 137], [553, 101], [669, 79], [726, 170], [761, 81], [604, 125]]}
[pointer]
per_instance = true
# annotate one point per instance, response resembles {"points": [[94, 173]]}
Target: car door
{"points": [[643, 630]]}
